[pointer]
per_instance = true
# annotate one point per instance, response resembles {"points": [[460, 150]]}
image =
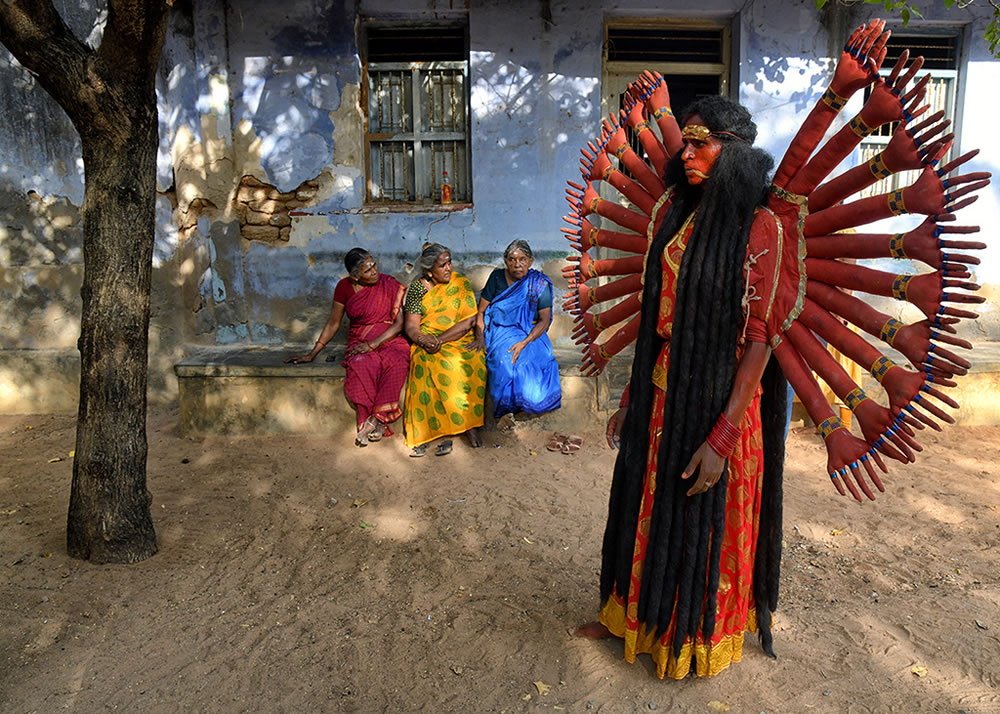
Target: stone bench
{"points": [[240, 390]]}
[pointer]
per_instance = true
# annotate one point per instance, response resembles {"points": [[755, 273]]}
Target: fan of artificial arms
{"points": [[798, 258]]}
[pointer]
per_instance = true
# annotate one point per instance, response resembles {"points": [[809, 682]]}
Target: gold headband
{"points": [[698, 132]]}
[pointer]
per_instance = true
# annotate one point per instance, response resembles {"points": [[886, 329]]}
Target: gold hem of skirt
{"points": [[708, 660]]}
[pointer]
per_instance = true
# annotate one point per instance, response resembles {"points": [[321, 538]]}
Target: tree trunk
{"points": [[109, 94], [109, 511]]}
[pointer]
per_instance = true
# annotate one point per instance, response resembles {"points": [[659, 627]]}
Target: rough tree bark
{"points": [[109, 95]]}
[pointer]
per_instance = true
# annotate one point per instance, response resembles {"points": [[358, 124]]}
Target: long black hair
{"points": [[681, 567]]}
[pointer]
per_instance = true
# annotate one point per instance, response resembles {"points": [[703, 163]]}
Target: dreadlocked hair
{"points": [[681, 568]]}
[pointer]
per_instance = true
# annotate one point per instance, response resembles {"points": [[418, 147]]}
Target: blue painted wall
{"points": [[270, 90]]}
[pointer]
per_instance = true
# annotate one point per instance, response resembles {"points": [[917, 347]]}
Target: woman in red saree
{"points": [[378, 356]]}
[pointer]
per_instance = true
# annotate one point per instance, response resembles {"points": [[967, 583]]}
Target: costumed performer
{"points": [[690, 503]]}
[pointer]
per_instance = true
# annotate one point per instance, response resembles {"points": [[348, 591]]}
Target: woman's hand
{"points": [[615, 424], [476, 345], [430, 343], [300, 359], [515, 351], [360, 348], [709, 465]]}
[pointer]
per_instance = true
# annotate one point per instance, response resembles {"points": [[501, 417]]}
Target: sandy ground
{"points": [[300, 574]]}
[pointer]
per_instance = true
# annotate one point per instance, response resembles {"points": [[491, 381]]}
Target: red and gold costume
{"points": [[670, 586], [734, 609]]}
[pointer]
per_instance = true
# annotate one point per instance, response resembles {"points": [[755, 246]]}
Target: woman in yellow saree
{"points": [[446, 387]]}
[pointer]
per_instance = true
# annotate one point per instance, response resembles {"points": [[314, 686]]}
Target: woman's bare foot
{"points": [[473, 436], [592, 630]]}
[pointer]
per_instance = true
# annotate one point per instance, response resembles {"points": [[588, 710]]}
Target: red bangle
{"points": [[724, 437]]}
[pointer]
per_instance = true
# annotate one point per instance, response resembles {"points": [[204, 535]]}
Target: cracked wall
{"points": [[261, 162]]}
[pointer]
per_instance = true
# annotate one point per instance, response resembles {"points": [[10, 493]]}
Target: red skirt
{"points": [[734, 612]]}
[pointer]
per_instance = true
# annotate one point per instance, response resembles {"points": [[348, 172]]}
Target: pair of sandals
{"points": [[564, 443], [443, 448], [371, 431]]}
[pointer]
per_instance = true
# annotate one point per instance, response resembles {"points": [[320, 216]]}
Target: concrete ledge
{"points": [[237, 390]]}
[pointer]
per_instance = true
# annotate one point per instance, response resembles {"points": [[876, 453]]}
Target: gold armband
{"points": [[900, 284], [896, 205], [890, 329], [833, 100], [830, 425], [881, 367], [876, 165], [896, 246]]}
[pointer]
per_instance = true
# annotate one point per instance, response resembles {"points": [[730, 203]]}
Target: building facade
{"points": [[294, 131]]}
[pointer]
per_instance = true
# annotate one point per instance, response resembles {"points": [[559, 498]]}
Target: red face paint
{"points": [[699, 155]]}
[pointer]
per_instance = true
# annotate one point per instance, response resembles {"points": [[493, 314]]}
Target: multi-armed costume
{"points": [[739, 261]]}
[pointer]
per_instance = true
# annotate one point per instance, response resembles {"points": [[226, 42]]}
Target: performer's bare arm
{"points": [[706, 461]]}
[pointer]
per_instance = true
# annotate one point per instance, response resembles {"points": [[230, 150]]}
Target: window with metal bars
{"points": [[941, 62], [418, 118]]}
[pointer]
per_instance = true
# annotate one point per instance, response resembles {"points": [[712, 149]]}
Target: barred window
{"points": [[418, 117], [941, 61]]}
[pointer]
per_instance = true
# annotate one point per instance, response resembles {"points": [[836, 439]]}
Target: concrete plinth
{"points": [[252, 391]]}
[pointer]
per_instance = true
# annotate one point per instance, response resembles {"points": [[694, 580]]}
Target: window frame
{"points": [[426, 198]]}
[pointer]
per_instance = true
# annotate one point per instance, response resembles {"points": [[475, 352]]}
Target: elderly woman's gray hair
{"points": [[355, 260], [429, 255], [521, 245]]}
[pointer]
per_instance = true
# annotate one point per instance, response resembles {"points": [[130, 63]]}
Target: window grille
{"points": [[418, 118]]}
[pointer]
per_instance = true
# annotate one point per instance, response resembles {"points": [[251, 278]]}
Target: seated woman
{"points": [[446, 388], [515, 311], [377, 354]]}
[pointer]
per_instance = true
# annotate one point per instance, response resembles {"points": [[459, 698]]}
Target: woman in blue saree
{"points": [[515, 311]]}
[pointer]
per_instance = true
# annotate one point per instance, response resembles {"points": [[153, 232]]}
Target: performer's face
{"points": [[368, 272], [441, 272], [517, 264], [699, 155]]}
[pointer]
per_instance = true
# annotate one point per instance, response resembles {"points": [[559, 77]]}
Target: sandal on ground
{"points": [[444, 448], [365, 432], [377, 433], [418, 451], [572, 444], [556, 442]]}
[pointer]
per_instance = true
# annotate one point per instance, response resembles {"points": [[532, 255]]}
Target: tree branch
{"points": [[37, 36], [133, 37]]}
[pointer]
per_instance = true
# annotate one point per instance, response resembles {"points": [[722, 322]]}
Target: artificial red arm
{"points": [[905, 152], [923, 243], [845, 452], [858, 67], [586, 235], [886, 103]]}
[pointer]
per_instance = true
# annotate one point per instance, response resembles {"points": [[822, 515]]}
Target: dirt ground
{"points": [[301, 574]]}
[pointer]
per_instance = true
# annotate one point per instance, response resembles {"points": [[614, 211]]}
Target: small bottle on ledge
{"points": [[445, 189]]}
